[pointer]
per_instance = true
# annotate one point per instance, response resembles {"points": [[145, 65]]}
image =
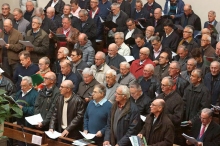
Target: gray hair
{"points": [[121, 34], [198, 72], [51, 9], [216, 63], [177, 64], [102, 54], [139, 1], [102, 88], [6, 4], [115, 5], [84, 12], [70, 84], [111, 71], [126, 64], [87, 71], [136, 85], [38, 19], [9, 20], [213, 12], [27, 79], [39, 10], [18, 10], [65, 50], [155, 38], [170, 80], [208, 37], [30, 2], [46, 60], [190, 27], [194, 61], [147, 50], [207, 111], [125, 90], [182, 47], [68, 5], [150, 66]]}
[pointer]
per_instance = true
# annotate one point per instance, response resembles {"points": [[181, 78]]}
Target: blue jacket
{"points": [[215, 92], [179, 10]]}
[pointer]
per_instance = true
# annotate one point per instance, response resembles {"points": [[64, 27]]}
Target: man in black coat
{"points": [[139, 12], [205, 130], [58, 6], [119, 17], [125, 6], [150, 6]]}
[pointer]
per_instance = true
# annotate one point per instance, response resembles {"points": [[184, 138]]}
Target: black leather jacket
{"points": [[7, 85], [75, 112]]}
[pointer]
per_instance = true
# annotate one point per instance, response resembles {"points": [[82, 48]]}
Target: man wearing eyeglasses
{"points": [[207, 49], [68, 113], [5, 15], [46, 100]]}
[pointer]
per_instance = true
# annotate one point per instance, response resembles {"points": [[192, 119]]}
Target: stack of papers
{"points": [[34, 120], [88, 135], [80, 142], [143, 118], [53, 135], [2, 42], [26, 43], [192, 140]]}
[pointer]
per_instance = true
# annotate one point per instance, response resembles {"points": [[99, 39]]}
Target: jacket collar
{"points": [[197, 88]]}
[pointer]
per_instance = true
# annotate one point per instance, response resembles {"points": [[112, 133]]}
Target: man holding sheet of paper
{"points": [[39, 39], [10, 47]]}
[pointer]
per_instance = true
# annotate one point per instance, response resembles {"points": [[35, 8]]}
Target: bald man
{"points": [[68, 113], [157, 22], [9, 52], [113, 59], [190, 18]]}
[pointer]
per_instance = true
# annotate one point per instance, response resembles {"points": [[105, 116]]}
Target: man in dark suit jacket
{"points": [[211, 19], [150, 6], [125, 6], [205, 130], [58, 6], [139, 12], [78, 64]]}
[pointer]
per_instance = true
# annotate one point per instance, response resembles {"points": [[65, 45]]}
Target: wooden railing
{"points": [[14, 131]]}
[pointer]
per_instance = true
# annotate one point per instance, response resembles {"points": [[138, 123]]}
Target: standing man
{"points": [[123, 120], [68, 113], [182, 57], [150, 6], [158, 128], [5, 15], [39, 38], [191, 65], [75, 8], [207, 49], [29, 13], [46, 100], [9, 52]]}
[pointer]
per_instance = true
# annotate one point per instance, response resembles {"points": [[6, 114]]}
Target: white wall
{"points": [[200, 7]]}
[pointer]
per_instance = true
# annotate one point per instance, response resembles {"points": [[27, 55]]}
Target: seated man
{"points": [[113, 59], [26, 68], [100, 67], [111, 85], [182, 56], [39, 38], [149, 33], [70, 32], [137, 66], [164, 134], [87, 85], [149, 83], [6, 84], [180, 83], [119, 128], [141, 99], [123, 49], [67, 74], [68, 112], [97, 111], [190, 66], [78, 63], [125, 77], [85, 46], [205, 130], [46, 100]]}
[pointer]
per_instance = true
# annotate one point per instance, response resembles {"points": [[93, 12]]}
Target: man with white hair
{"points": [[207, 49], [113, 59], [100, 67], [87, 85], [149, 83], [125, 77], [55, 18], [5, 15], [9, 52], [123, 49], [111, 85], [123, 121], [137, 66], [149, 33], [211, 19]]}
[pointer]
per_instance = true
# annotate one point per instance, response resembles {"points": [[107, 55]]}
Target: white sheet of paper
{"points": [[134, 140], [173, 54], [53, 135], [143, 118], [190, 139], [88, 135], [34, 120], [129, 58], [26, 43], [36, 139], [80, 142], [2, 42]]}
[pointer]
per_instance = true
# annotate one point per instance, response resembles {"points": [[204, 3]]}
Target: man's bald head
{"points": [[52, 75], [206, 31], [157, 13]]}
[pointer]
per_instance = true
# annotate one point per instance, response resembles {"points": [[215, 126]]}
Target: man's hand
{"points": [[190, 123], [87, 99], [20, 106], [157, 34], [40, 125], [172, 16], [106, 28], [68, 39], [140, 135], [50, 35], [7, 46], [51, 130], [114, 29], [85, 131], [106, 143], [65, 133], [116, 145], [188, 143], [199, 144], [151, 14], [29, 49], [156, 62], [98, 134]]}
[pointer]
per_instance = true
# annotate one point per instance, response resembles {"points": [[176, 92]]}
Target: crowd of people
{"points": [[172, 81]]}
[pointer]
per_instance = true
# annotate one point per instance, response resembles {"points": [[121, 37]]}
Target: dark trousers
{"points": [[9, 69]]}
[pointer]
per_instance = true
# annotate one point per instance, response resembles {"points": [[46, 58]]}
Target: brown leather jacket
{"points": [[75, 113]]}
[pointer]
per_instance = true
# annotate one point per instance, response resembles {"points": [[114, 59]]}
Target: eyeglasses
{"points": [[162, 85], [142, 53], [35, 23], [186, 32], [45, 78], [73, 55], [63, 87], [118, 94]]}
